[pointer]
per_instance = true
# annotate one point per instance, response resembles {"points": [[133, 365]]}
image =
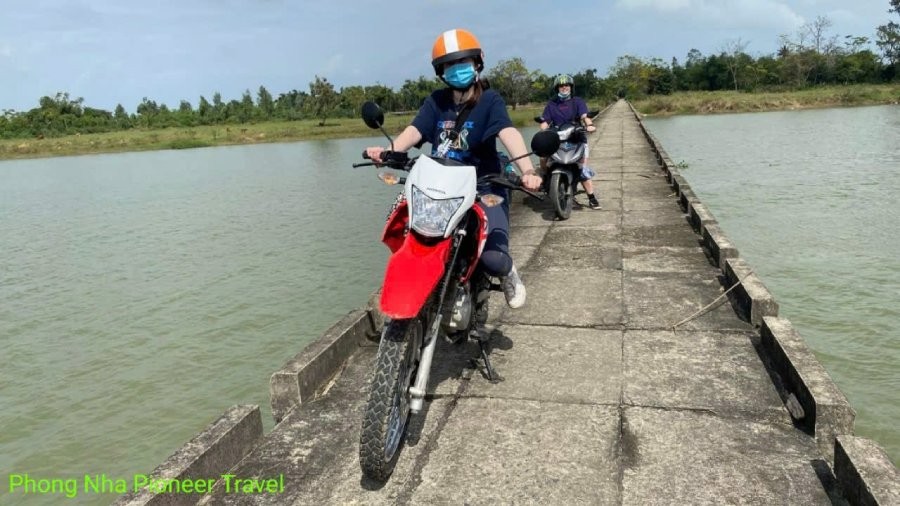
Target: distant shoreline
{"points": [[717, 102], [725, 102]]}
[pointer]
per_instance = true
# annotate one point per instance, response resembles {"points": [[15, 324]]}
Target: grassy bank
{"points": [[219, 135], [708, 102], [288, 131]]}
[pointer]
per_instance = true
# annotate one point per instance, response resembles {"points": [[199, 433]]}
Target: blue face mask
{"points": [[563, 95], [460, 76]]}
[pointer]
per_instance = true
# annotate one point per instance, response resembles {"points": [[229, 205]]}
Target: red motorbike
{"points": [[436, 233]]}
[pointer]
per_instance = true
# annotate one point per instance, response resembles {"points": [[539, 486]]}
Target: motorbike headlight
{"points": [[431, 216]]}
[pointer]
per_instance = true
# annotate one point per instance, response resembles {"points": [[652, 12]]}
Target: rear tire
{"points": [[387, 410], [560, 195]]}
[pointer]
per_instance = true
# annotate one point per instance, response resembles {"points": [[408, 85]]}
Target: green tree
{"points": [[352, 98], [888, 38], [204, 111], [147, 111], [322, 99], [219, 108], [246, 107], [512, 79], [264, 103], [121, 117]]}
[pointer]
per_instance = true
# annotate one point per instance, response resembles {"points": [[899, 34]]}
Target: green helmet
{"points": [[563, 79]]}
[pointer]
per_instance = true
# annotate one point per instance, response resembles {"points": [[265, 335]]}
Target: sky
{"points": [[113, 52]]}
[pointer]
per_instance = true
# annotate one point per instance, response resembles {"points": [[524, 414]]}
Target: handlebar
{"points": [[394, 159], [511, 181]]}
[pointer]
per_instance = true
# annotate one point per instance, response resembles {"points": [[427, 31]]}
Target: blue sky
{"points": [[118, 51]]}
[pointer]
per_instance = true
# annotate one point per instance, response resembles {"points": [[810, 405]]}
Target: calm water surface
{"points": [[810, 199]]}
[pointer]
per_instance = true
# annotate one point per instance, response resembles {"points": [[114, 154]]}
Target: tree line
{"points": [[810, 57]]}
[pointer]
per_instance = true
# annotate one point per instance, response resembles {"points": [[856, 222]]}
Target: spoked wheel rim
{"points": [[400, 405], [563, 193]]}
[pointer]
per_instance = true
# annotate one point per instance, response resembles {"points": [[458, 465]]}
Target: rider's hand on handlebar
{"points": [[375, 152], [531, 181]]}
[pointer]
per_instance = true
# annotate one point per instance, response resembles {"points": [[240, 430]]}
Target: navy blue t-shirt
{"points": [[477, 140]]}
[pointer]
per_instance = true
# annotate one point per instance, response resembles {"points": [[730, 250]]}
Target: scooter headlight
{"points": [[430, 217]]}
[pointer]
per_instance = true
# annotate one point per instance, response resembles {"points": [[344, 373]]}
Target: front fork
{"points": [[417, 390]]}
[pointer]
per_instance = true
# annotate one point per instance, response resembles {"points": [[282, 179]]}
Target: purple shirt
{"points": [[559, 111]]}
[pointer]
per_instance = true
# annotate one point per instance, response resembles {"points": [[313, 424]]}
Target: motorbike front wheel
{"points": [[387, 410], [561, 195]]}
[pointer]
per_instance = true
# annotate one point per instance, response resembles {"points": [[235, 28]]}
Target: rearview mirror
{"points": [[545, 143], [372, 115]]}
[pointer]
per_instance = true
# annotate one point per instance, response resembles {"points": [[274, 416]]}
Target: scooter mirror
{"points": [[372, 115], [545, 143]]}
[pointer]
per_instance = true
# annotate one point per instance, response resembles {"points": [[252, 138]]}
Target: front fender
{"points": [[412, 273], [565, 172]]}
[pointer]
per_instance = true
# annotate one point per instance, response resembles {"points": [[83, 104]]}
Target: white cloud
{"points": [[727, 13]]}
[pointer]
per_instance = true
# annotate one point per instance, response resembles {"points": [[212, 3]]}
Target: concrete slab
{"points": [[671, 235], [664, 217], [526, 235], [563, 257], [724, 461], [586, 300], [719, 372], [658, 300], [665, 259], [668, 203], [587, 236], [499, 451], [554, 364]]}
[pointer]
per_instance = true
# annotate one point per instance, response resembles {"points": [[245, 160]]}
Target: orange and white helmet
{"points": [[454, 45]]}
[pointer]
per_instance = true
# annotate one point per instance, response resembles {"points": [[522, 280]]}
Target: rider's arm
{"points": [[515, 145], [585, 120], [588, 123], [408, 138]]}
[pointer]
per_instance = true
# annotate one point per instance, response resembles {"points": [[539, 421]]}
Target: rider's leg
{"points": [[586, 175], [496, 260]]}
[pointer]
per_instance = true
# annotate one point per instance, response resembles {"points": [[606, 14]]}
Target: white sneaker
{"points": [[514, 289]]}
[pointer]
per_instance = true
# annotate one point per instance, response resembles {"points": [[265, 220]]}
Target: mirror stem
{"points": [[388, 137], [521, 156]]}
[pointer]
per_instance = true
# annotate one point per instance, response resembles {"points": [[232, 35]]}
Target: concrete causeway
{"points": [[603, 401]]}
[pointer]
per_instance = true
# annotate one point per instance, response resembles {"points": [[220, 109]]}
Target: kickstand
{"points": [[491, 373]]}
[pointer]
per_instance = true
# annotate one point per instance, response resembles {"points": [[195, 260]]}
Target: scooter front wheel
{"points": [[387, 410], [561, 195]]}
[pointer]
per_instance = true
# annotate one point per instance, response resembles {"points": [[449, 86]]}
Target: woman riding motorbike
{"points": [[458, 60], [565, 108]]}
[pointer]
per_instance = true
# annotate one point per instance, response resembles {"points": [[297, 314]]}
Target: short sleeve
{"points": [[426, 119], [498, 117], [547, 114], [581, 108]]}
